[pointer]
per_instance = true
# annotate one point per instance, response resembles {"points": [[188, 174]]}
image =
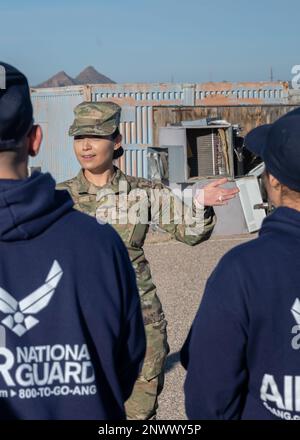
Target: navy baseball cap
{"points": [[278, 144], [16, 113]]}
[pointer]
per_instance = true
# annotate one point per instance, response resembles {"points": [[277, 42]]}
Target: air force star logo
{"points": [[296, 310], [19, 317]]}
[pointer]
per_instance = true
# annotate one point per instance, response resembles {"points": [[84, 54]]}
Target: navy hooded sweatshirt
{"points": [[243, 352], [71, 331]]}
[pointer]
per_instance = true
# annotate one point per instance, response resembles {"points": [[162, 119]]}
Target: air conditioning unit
{"points": [[198, 150]]}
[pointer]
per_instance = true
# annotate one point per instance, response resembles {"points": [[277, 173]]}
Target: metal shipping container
{"points": [[53, 110]]}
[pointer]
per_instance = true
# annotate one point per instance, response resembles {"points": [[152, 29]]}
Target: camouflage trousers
{"points": [[143, 402]]}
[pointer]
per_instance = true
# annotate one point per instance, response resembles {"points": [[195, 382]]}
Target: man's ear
{"points": [[118, 142], [274, 183], [35, 138]]}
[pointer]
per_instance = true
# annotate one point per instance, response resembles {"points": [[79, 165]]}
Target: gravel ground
{"points": [[180, 273]]}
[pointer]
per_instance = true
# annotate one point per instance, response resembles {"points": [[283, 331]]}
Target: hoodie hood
{"points": [[283, 220], [28, 207]]}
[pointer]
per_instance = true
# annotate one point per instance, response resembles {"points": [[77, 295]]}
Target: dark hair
{"points": [[285, 190], [120, 151], [115, 134]]}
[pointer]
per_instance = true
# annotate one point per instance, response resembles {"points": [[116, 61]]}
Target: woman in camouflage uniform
{"points": [[100, 188]]}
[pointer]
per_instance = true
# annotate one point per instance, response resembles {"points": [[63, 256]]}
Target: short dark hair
{"points": [[115, 134], [286, 191]]}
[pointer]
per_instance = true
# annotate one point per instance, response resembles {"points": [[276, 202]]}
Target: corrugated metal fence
{"points": [[53, 109]]}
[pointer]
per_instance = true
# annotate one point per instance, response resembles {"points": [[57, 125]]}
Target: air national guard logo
{"points": [[19, 317]]}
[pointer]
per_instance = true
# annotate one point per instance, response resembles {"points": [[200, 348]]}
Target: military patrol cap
{"points": [[16, 113], [95, 119]]}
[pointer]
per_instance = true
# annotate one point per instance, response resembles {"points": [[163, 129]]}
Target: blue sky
{"points": [[152, 40]]}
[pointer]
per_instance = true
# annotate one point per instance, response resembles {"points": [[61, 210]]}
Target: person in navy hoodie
{"points": [[71, 331], [242, 354]]}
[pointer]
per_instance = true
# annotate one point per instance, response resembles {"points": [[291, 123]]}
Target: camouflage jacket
{"points": [[98, 201]]}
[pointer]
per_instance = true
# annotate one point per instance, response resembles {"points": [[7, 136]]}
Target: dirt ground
{"points": [[180, 273]]}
